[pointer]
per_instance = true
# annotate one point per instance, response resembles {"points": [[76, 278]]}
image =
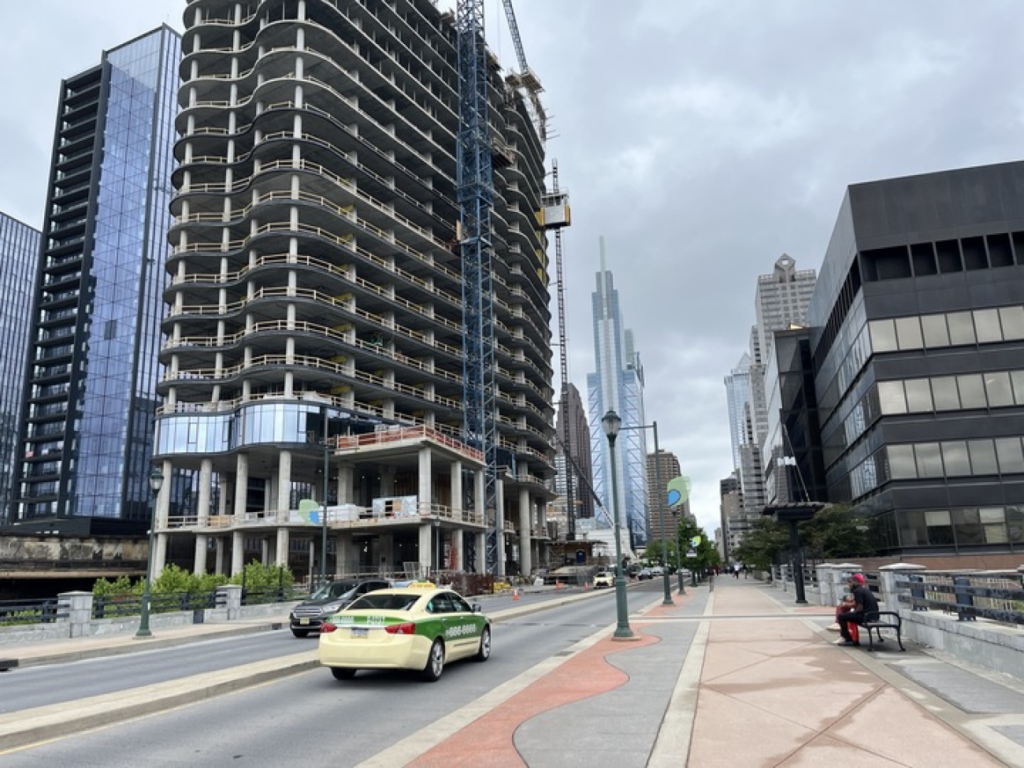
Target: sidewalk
{"points": [[738, 676], [733, 677]]}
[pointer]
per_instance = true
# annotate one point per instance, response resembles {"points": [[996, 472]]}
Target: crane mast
{"points": [[475, 196]]}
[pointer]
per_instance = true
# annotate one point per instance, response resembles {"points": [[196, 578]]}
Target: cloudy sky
{"points": [[701, 138]]}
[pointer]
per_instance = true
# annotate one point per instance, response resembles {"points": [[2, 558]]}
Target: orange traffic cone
{"points": [[515, 594]]}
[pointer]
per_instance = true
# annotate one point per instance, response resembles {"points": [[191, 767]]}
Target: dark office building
{"points": [[85, 440], [918, 347], [792, 453]]}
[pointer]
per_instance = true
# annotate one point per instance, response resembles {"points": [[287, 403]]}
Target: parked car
{"points": [[604, 579], [308, 615], [420, 627], [657, 571], [644, 574]]}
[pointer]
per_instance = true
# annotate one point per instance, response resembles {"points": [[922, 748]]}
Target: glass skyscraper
{"points": [[19, 249], [87, 425], [618, 384]]}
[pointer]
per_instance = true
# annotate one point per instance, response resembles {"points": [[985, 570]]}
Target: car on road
{"points": [[308, 615], [604, 579], [421, 627], [657, 571], [644, 574]]}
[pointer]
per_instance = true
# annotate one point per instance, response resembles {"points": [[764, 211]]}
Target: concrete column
{"points": [[218, 566], [346, 491], [525, 537], [237, 552], [456, 555], [160, 556], [205, 483], [282, 547], [345, 554], [425, 486], [481, 553], [455, 484], [499, 512], [425, 534], [199, 561], [284, 482], [265, 550], [241, 487]]}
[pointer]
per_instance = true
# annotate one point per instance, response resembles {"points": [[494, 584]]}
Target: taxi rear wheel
{"points": [[343, 673], [484, 652], [300, 632], [435, 662]]}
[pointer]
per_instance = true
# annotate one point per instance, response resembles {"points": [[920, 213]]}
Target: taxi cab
{"points": [[420, 627]]}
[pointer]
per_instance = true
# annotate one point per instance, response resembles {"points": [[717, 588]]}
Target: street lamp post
{"points": [[611, 423], [323, 507], [156, 481], [661, 511]]}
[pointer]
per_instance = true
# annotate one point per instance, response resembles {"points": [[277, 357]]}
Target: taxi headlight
{"points": [[330, 608]]}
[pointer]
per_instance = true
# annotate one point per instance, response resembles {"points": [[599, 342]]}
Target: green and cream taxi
{"points": [[419, 627]]}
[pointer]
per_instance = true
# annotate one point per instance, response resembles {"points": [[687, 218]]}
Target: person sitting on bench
{"points": [[865, 608]]}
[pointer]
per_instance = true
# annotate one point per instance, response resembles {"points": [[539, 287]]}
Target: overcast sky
{"points": [[701, 138]]}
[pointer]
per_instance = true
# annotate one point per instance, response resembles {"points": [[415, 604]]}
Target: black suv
{"points": [[308, 615]]}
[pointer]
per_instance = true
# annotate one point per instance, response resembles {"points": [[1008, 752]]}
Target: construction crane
{"points": [[526, 79], [475, 196]]}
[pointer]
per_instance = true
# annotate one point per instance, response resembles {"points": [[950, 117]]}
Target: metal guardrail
{"points": [[994, 595], [14, 612], [115, 606]]}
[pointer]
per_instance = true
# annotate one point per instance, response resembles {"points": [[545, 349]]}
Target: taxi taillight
{"points": [[326, 627], [401, 629]]}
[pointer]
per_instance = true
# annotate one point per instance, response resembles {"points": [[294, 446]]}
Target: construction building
{"points": [[315, 338]]}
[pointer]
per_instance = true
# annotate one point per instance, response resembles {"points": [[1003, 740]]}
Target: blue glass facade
{"points": [[618, 385], [19, 249], [92, 398]]}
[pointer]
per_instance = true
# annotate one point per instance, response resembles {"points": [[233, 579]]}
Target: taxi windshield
{"points": [[385, 602]]}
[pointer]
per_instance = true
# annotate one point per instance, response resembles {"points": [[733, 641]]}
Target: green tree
{"points": [[837, 532], [762, 543]]}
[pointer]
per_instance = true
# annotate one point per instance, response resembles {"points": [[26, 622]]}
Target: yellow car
{"points": [[419, 627]]}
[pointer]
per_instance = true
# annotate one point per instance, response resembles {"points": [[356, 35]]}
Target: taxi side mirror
{"points": [[477, 608]]}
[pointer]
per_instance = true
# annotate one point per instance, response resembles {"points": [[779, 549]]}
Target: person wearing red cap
{"points": [[865, 607]]}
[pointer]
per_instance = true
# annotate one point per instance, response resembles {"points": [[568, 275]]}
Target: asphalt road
{"points": [[308, 717]]}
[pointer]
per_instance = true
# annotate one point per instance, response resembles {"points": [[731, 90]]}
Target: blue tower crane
{"points": [[475, 195]]}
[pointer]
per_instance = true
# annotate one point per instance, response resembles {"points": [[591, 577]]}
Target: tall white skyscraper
{"points": [[618, 384]]}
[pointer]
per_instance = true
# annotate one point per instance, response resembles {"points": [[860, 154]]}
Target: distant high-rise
{"points": [[19, 249], [737, 393], [661, 468], [573, 434], [87, 421], [618, 385], [781, 300]]}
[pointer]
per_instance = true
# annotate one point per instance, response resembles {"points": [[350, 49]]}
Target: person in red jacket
{"points": [[865, 608]]}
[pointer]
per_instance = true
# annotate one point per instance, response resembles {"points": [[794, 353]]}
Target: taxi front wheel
{"points": [[435, 662], [343, 673], [484, 652]]}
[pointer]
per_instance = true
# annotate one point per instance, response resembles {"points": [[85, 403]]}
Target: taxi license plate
{"points": [[360, 632], [303, 621]]}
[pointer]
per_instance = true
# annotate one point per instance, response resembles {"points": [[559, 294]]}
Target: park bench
{"points": [[883, 620]]}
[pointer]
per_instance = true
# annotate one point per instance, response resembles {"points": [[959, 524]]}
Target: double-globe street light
{"points": [[661, 509], [611, 423], [156, 482]]}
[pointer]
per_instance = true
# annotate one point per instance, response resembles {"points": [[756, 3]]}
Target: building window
{"points": [[883, 336], [1010, 456], [1013, 322], [956, 458], [972, 391], [929, 460], [936, 335], [998, 389], [945, 393], [891, 397], [961, 328], [983, 457], [987, 323], [919, 395], [908, 333], [901, 462]]}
